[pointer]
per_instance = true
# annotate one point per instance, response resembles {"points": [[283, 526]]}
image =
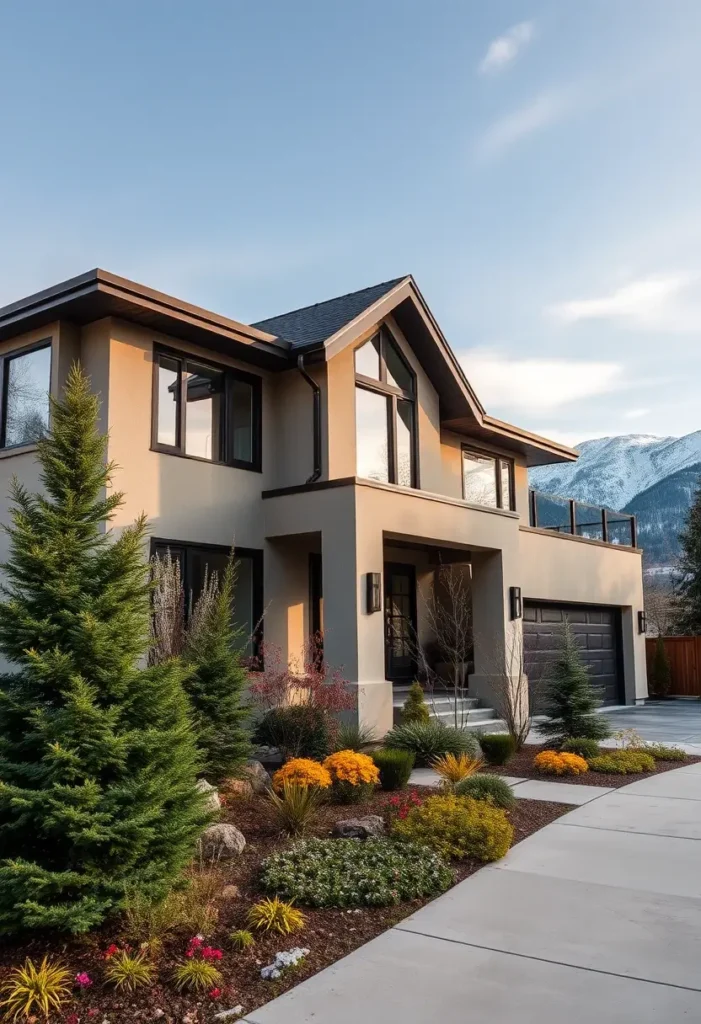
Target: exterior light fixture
{"points": [[642, 622], [373, 592], [516, 602]]}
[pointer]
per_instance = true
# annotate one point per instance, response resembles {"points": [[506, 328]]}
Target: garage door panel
{"points": [[596, 635]]}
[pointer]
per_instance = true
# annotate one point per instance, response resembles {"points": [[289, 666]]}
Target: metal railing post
{"points": [[573, 517], [604, 526]]}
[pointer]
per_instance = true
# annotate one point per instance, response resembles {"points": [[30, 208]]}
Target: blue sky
{"points": [[536, 166]]}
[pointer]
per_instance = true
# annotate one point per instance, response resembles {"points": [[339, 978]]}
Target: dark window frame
{"points": [[230, 375], [393, 395], [482, 453], [256, 556], [4, 379]]}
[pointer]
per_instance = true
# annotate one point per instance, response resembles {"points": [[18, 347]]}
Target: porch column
{"points": [[498, 641], [353, 638]]}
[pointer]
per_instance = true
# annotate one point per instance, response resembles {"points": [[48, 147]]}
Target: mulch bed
{"points": [[521, 766], [329, 934]]}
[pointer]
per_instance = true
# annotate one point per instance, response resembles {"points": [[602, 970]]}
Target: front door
{"points": [[400, 622]]}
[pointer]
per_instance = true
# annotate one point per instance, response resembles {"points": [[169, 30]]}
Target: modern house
{"points": [[344, 452]]}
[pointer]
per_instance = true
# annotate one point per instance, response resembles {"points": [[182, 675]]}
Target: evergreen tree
{"points": [[97, 756], [570, 699], [661, 672], [218, 680], [415, 707], [687, 588]]}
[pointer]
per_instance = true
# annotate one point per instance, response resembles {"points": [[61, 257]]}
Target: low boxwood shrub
{"points": [[456, 826], [349, 873], [428, 740], [550, 762], [394, 766], [623, 762], [497, 747], [586, 748], [660, 752], [487, 787]]}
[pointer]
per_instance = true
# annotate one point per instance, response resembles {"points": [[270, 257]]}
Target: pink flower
{"points": [[72, 1018], [83, 980], [211, 954]]}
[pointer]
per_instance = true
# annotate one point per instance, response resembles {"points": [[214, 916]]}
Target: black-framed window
{"points": [[197, 559], [487, 479], [26, 383], [385, 413], [205, 411]]}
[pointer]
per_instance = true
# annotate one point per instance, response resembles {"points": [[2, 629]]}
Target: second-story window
{"points": [[487, 479], [206, 411], [385, 413], [26, 377]]}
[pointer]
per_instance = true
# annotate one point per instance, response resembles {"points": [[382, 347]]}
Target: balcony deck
{"points": [[577, 519]]}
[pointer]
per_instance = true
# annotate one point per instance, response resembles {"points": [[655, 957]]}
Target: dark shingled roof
{"points": [[314, 324]]}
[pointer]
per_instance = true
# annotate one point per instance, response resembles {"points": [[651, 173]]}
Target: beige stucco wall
{"points": [[561, 568]]}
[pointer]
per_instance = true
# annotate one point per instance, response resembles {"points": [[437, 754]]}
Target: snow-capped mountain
{"points": [[653, 477], [612, 470]]}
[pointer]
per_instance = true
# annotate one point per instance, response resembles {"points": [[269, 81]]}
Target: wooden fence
{"points": [[684, 654]]}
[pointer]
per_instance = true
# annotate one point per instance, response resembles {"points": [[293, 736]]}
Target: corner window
{"points": [[385, 413], [26, 385], [206, 412], [487, 479], [200, 560]]}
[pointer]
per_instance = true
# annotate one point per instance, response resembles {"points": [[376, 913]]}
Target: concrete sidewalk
{"points": [[528, 789], [597, 917]]}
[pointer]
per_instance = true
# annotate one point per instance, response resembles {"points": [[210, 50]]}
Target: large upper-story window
{"points": [[487, 479], [26, 381], [206, 411], [385, 413]]}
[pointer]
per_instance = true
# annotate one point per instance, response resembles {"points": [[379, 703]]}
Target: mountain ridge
{"points": [[653, 477]]}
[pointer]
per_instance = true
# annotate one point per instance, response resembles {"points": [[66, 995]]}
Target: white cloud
{"points": [[541, 112], [537, 384], [504, 49], [661, 302], [635, 414]]}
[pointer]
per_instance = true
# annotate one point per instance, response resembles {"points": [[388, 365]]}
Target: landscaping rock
{"points": [[222, 842], [235, 1011], [254, 773], [239, 789], [371, 826], [213, 803]]}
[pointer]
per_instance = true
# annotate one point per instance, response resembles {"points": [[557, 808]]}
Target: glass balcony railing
{"points": [[592, 522]]}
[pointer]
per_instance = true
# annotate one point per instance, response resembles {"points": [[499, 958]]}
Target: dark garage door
{"points": [[596, 630]]}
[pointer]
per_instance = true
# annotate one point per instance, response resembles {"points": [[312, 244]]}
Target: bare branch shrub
{"points": [[168, 607]]}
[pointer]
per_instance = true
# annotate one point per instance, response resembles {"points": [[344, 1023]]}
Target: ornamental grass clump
{"points": [[395, 767], [458, 827], [31, 990], [297, 808], [490, 788], [623, 762], [302, 772], [453, 768], [660, 752], [586, 748], [354, 775], [129, 971], [242, 939], [274, 915], [347, 873], [428, 740], [551, 762]]}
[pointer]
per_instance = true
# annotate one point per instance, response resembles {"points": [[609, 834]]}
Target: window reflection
{"points": [[367, 358], [168, 398], [398, 373], [204, 388], [479, 479], [372, 443], [405, 447], [242, 420], [27, 385]]}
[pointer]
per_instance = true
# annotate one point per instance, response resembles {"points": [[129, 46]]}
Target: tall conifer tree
{"points": [[687, 589], [97, 756]]}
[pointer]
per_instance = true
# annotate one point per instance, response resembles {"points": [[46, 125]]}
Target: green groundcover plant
{"points": [[622, 762], [350, 873], [428, 740], [487, 787]]}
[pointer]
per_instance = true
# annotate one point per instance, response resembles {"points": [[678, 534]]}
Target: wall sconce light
{"points": [[373, 592], [516, 602], [642, 622]]}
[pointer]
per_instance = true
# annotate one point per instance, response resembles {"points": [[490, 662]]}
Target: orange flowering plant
{"points": [[303, 772], [550, 762], [354, 775]]}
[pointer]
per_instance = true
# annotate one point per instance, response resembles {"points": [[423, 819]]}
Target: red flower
{"points": [[211, 954], [215, 993], [111, 950]]}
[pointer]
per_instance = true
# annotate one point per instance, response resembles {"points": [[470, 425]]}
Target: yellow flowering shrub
{"points": [[352, 767], [302, 771], [458, 827], [550, 762]]}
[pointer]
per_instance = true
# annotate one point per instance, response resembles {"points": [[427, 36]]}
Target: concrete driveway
{"points": [[597, 917], [677, 721]]}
